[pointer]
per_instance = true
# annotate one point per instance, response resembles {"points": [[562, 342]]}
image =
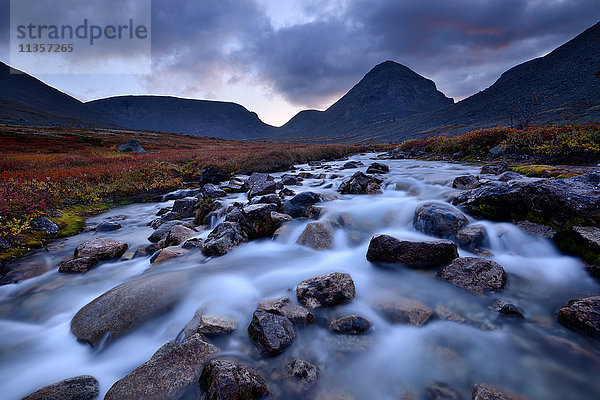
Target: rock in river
{"points": [[465, 182], [387, 249], [317, 235], [216, 325], [83, 387], [326, 290], [169, 375], [284, 306], [272, 333], [100, 249], [350, 324], [439, 219], [185, 207], [582, 315], [477, 275], [223, 238], [360, 183], [127, 306], [301, 375], [297, 205], [404, 311], [229, 380], [471, 237], [483, 391]]}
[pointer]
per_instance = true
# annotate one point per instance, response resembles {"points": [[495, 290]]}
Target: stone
{"points": [[583, 241], [267, 199], [170, 216], [279, 218], [205, 209], [127, 306], [484, 391], [471, 237], [317, 235], [185, 207], [289, 180], [476, 275], [229, 380], [255, 220], [373, 189], [216, 325], [76, 265], [272, 333], [162, 231], [172, 374], [84, 387], [44, 224], [146, 251], [193, 243], [351, 165], [537, 229], [132, 146], [582, 315], [301, 376], [211, 191], [167, 254], [350, 324], [213, 175], [4, 244], [297, 205], [108, 226], [509, 176], [100, 249], [326, 290], [223, 239], [439, 219], [285, 192], [465, 182], [358, 184], [440, 391], [494, 169], [507, 309], [378, 168], [284, 306], [402, 310], [179, 234], [387, 249]]}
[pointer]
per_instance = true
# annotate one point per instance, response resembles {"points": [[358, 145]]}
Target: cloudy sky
{"points": [[277, 57]]}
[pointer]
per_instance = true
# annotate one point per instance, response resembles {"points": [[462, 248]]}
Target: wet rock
{"points": [[281, 232], [440, 391], [216, 325], [77, 265], [170, 375], [170, 216], [582, 315], [306, 175], [289, 180], [100, 249], [439, 219], [267, 199], [285, 192], [166, 254], [108, 226], [404, 311], [326, 290], [301, 375], [162, 231], [146, 251], [205, 209], [350, 324], [315, 163], [465, 182], [507, 309], [272, 333], [127, 306], [373, 188], [279, 218], [477, 275], [359, 183], [229, 380], [387, 249], [255, 220], [509, 176], [583, 241], [351, 165], [211, 191], [22, 272], [185, 207], [378, 168], [471, 237], [484, 391], [223, 238], [494, 169], [317, 235], [179, 234], [297, 205], [132, 146], [537, 229], [284, 306], [213, 175], [44, 224], [83, 387], [262, 188], [193, 243], [4, 244]]}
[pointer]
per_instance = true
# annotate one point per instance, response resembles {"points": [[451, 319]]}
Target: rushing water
{"points": [[536, 357]]}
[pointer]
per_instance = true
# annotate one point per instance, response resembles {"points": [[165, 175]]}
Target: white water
{"points": [[37, 348]]}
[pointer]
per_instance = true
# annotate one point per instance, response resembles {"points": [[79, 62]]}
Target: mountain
{"points": [[390, 91], [173, 114], [25, 100]]}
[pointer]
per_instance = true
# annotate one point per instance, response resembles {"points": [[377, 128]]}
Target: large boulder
{"points": [[211, 191], [465, 182], [272, 333], [223, 238], [582, 315], [297, 205], [326, 290], [439, 219], [471, 237], [484, 391], [83, 387], [477, 275], [171, 374], [403, 310], [387, 249], [229, 380], [44, 224], [132, 146], [100, 249], [179, 234], [283, 306], [583, 241], [162, 231], [259, 184], [317, 235], [185, 207], [256, 220], [378, 168], [360, 183], [127, 306]]}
